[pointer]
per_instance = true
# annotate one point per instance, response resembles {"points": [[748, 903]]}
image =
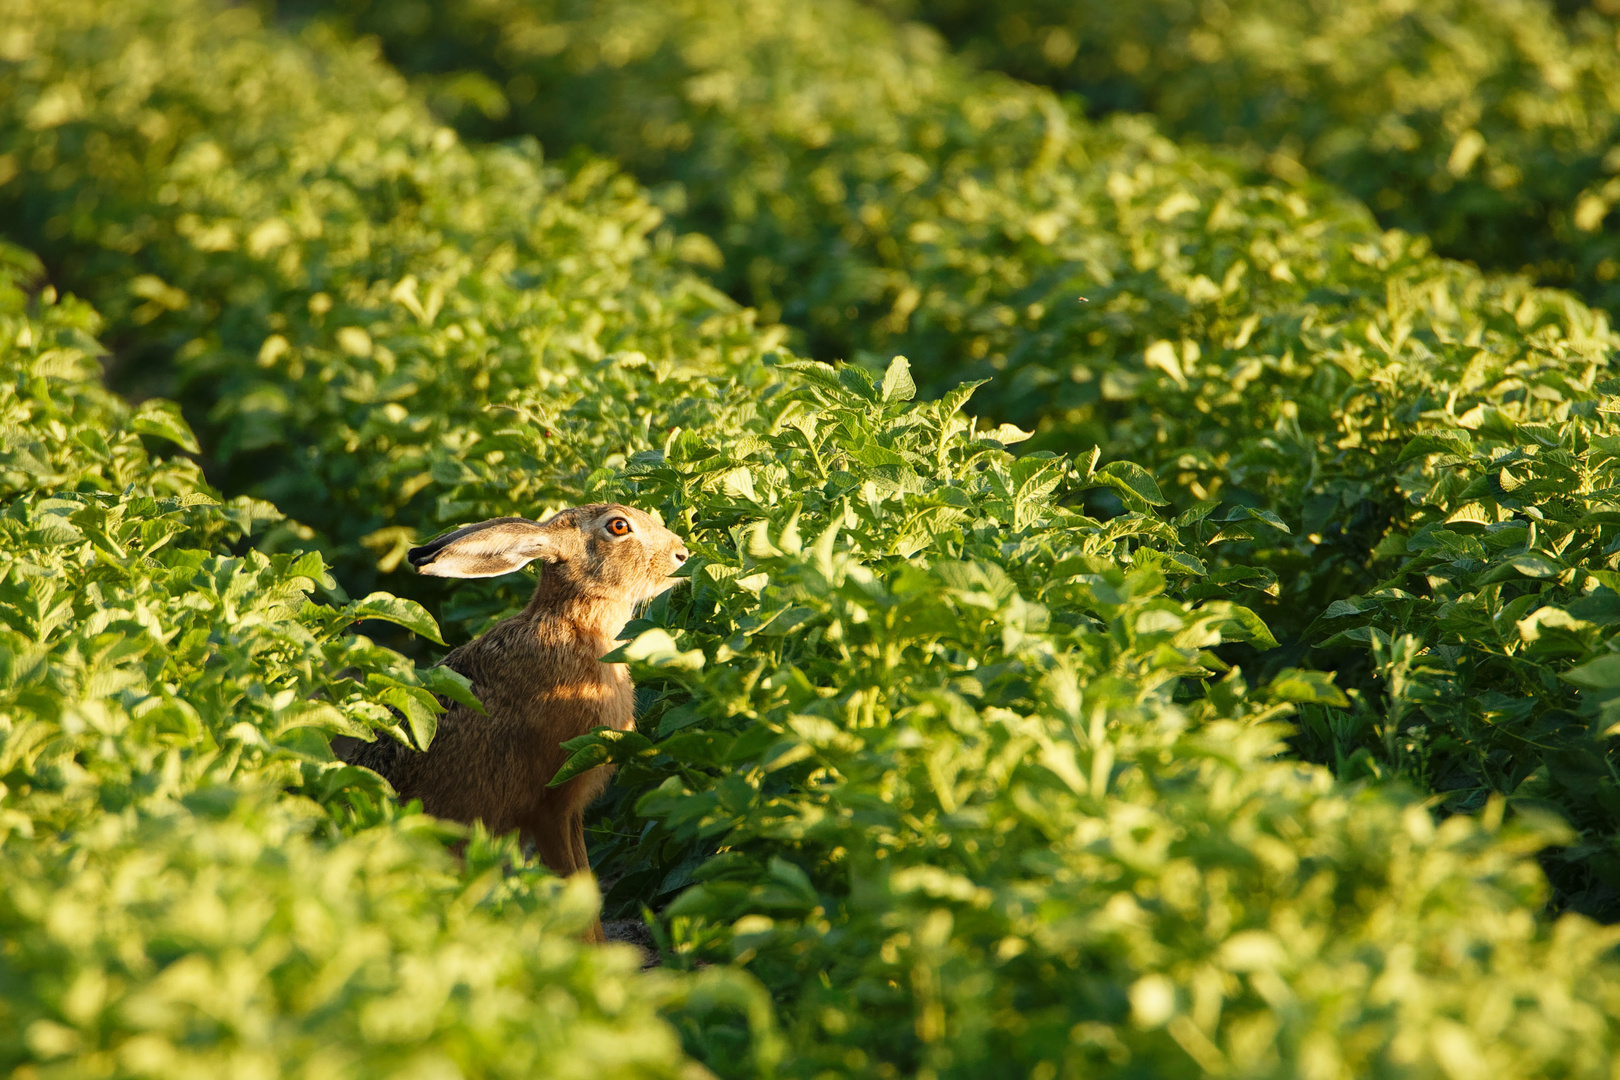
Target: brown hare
{"points": [[538, 674]]}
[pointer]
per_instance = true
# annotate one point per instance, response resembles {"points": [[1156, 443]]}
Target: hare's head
{"points": [[602, 551]]}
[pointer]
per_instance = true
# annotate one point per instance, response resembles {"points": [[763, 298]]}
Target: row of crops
{"points": [[1230, 698], [1490, 125]]}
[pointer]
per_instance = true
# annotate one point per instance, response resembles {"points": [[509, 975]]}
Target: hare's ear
{"points": [[488, 549]]}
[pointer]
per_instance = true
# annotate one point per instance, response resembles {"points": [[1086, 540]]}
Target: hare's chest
{"points": [[597, 695], [619, 697]]}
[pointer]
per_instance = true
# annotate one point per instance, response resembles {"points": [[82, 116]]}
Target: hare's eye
{"points": [[618, 527]]}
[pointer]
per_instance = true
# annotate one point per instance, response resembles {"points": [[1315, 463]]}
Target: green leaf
{"points": [[582, 760], [163, 419], [452, 684], [1441, 441], [1129, 478], [389, 608], [1531, 565], [420, 709], [1199, 512], [1091, 461], [1005, 435], [814, 371], [657, 648], [857, 381], [1242, 624], [599, 747], [954, 398], [1255, 513], [873, 456], [1306, 687], [1602, 673], [897, 382], [1361, 635]]}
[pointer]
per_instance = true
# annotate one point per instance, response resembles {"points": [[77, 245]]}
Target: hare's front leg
{"points": [[573, 799], [576, 839], [552, 842], [558, 835], [582, 863]]}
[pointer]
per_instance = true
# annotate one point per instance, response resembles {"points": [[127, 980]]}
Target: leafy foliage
{"points": [[884, 197], [1256, 348], [1489, 126], [194, 884], [338, 280], [166, 914], [138, 669], [62, 430], [979, 806], [942, 746], [1490, 627], [225, 941]]}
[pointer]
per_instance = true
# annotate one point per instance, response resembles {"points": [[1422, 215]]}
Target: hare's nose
{"points": [[681, 554]]}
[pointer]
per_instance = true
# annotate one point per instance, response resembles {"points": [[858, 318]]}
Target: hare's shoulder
{"points": [[501, 657], [491, 651]]}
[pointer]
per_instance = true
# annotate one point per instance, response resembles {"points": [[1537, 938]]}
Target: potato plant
{"points": [[981, 801], [194, 886], [63, 431], [222, 939], [1489, 126], [1122, 291], [1489, 626], [858, 770], [331, 278], [1256, 346], [965, 747]]}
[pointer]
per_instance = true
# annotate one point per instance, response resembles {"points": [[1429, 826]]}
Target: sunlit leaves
{"points": [[942, 742], [210, 669], [406, 613], [227, 940], [1484, 125], [59, 429], [1502, 583]]}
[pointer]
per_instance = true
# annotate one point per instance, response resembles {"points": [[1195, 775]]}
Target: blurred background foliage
{"points": [[1232, 695], [1490, 126]]}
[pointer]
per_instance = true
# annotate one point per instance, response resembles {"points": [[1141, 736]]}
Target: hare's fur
{"points": [[538, 674]]}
